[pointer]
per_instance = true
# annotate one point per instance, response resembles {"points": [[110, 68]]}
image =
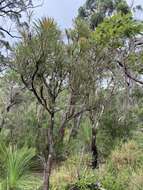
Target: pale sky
{"points": [[64, 11]]}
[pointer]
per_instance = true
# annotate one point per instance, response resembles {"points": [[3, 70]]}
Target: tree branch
{"points": [[128, 74], [6, 31]]}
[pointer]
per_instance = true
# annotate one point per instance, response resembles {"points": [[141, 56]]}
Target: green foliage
{"points": [[44, 49], [122, 7], [75, 171], [15, 166], [85, 183], [85, 133], [113, 31], [114, 128], [82, 28], [124, 165], [95, 11]]}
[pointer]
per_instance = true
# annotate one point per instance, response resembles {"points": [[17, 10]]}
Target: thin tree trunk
{"points": [[47, 173], [68, 114], [4, 114], [48, 163], [95, 124], [94, 149], [75, 128]]}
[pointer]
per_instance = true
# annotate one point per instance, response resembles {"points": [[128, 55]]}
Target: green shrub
{"points": [[123, 171], [15, 168]]}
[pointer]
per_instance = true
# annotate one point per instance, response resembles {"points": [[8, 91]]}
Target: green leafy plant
{"points": [[15, 168]]}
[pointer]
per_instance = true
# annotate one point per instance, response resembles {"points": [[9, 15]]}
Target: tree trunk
{"points": [[95, 119], [47, 173], [48, 162], [94, 149], [75, 128], [67, 115]]}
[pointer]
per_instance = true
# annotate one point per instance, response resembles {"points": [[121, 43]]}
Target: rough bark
{"points": [[94, 149], [47, 173]]}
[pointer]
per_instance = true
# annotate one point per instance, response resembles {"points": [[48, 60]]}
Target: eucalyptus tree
{"points": [[117, 38], [109, 53], [118, 27], [94, 11], [93, 72]]}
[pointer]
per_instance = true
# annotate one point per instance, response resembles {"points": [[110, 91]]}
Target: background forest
{"points": [[71, 102]]}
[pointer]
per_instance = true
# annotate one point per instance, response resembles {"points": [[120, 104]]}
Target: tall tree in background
{"points": [[94, 11], [113, 19]]}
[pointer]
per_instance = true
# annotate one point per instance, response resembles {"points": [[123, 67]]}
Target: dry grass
{"points": [[126, 156], [70, 170], [136, 181]]}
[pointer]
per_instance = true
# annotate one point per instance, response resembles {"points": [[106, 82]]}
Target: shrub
{"points": [[127, 156], [123, 170], [15, 171]]}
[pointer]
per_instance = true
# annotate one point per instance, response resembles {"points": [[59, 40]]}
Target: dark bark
{"points": [[94, 149], [4, 117], [127, 73]]}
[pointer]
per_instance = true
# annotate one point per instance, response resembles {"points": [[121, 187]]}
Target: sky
{"points": [[63, 11]]}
